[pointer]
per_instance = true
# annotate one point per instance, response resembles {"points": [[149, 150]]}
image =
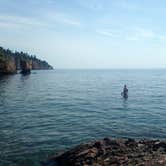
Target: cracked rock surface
{"points": [[114, 152]]}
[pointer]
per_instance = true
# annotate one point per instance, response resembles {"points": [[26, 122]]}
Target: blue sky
{"points": [[87, 33]]}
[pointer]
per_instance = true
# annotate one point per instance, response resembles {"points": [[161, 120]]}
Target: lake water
{"points": [[50, 111]]}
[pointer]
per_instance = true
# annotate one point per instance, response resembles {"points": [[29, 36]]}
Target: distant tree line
{"points": [[7, 54]]}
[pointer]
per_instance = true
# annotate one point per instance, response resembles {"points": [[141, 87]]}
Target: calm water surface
{"points": [[50, 111]]}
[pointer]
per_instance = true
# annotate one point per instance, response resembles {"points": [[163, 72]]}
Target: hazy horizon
{"points": [[82, 34]]}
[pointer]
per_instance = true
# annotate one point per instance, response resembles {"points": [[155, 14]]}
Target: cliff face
{"points": [[7, 66], [10, 62], [26, 67]]}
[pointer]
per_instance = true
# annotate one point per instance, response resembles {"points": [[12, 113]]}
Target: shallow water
{"points": [[50, 111]]}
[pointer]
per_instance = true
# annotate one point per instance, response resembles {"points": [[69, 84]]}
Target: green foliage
{"points": [[6, 54]]}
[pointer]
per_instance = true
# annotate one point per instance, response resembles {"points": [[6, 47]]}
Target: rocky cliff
{"points": [[26, 67], [10, 62], [7, 65]]}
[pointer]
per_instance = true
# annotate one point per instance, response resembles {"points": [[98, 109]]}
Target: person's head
{"points": [[125, 86]]}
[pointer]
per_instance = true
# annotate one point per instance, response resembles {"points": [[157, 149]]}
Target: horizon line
{"points": [[154, 68]]}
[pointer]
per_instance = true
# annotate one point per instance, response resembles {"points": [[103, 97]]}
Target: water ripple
{"points": [[53, 110]]}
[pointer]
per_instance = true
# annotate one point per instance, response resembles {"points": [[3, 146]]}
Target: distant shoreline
{"points": [[11, 62]]}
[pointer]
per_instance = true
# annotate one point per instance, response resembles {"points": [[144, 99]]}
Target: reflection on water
{"points": [[25, 77], [125, 103], [50, 111], [24, 81]]}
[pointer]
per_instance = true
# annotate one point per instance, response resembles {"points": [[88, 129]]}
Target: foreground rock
{"points": [[119, 152]]}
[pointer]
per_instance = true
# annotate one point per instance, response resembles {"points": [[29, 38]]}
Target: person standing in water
{"points": [[125, 92]]}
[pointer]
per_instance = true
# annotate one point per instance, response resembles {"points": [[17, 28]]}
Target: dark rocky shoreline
{"points": [[113, 152]]}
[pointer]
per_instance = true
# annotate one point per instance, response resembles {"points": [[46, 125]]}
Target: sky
{"points": [[87, 33]]}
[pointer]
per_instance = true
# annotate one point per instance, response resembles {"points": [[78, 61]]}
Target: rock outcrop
{"points": [[114, 152], [26, 67], [7, 66]]}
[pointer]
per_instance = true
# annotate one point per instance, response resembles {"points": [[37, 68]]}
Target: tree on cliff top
{"points": [[7, 54]]}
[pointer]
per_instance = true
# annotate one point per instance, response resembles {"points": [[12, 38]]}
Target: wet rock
{"points": [[160, 145]]}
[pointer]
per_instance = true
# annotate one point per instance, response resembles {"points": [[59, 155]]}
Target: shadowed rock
{"points": [[115, 152], [26, 67]]}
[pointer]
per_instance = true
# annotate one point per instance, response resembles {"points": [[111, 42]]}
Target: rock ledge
{"points": [[114, 152]]}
